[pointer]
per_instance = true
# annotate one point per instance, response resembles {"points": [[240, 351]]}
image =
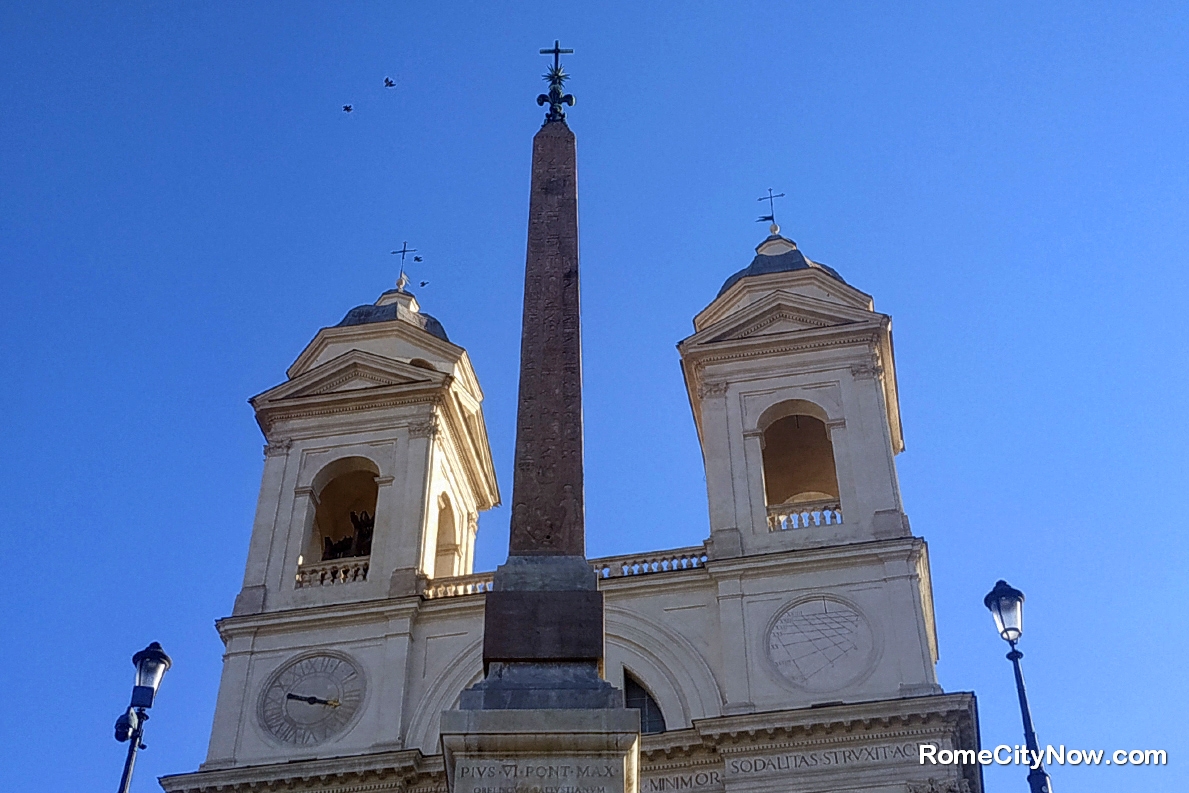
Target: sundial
{"points": [[821, 644]]}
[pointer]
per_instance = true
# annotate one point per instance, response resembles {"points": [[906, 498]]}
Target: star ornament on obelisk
{"points": [[543, 624]]}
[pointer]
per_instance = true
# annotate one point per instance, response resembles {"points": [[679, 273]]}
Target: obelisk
{"points": [[543, 706], [543, 625]]}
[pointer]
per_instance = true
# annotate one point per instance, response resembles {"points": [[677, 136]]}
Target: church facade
{"points": [[793, 650]]}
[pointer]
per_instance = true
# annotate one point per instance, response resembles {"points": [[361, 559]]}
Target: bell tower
{"points": [[377, 464], [792, 381]]}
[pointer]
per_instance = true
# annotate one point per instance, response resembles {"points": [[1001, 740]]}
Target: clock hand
{"points": [[334, 703]]}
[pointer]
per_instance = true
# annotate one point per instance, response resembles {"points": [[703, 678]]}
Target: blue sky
{"points": [[183, 204]]}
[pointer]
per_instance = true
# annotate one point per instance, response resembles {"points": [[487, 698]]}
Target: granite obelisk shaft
{"points": [[547, 511], [545, 608]]}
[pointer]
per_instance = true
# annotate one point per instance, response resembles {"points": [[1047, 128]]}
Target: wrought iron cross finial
{"points": [[404, 251], [556, 77], [403, 280], [771, 199]]}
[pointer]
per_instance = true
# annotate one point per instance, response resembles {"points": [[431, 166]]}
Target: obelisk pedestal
{"points": [[542, 751], [543, 719]]}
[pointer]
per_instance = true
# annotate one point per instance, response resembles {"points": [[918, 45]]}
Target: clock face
{"points": [[311, 699]]}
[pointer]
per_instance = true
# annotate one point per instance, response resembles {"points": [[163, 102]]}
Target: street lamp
{"points": [[1007, 607], [150, 663]]}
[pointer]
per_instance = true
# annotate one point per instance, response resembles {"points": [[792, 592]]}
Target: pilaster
{"points": [[732, 629], [251, 598]]}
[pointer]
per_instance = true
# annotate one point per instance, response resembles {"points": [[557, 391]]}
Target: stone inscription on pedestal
{"points": [[542, 775]]}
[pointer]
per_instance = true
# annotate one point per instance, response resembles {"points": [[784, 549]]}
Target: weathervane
{"points": [[403, 280], [556, 77], [771, 217]]}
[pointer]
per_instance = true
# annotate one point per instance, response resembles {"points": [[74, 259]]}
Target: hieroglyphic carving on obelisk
{"points": [[547, 514]]}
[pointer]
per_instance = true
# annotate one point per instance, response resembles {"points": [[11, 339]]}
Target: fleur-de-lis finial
{"points": [[556, 77]]}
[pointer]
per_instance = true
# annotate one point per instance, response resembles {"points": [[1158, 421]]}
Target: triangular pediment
{"points": [[780, 313], [354, 372], [396, 334]]}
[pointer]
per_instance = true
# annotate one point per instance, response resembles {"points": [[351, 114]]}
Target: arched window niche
{"points": [[800, 478], [652, 721], [446, 560], [345, 494]]}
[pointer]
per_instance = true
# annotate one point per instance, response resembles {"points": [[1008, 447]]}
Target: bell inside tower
{"points": [[345, 518]]}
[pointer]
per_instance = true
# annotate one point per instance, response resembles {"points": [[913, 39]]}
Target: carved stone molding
{"points": [[836, 424], [426, 428], [866, 371], [278, 447], [306, 491], [777, 316], [712, 389]]}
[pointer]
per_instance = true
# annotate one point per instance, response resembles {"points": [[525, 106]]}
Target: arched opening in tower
{"points": [[345, 518], [798, 461], [446, 561]]}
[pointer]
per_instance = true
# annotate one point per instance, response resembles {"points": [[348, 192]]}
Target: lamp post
{"points": [[1007, 607], [150, 663]]}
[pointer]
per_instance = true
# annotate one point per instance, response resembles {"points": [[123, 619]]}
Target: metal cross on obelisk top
{"points": [[556, 77], [771, 199], [557, 52]]}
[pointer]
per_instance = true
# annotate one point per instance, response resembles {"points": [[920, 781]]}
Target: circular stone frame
{"points": [[863, 667], [272, 678]]}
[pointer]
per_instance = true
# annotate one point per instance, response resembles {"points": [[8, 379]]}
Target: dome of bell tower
{"points": [[778, 254]]}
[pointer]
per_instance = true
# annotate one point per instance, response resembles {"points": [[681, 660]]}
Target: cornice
{"points": [[685, 748], [324, 616], [471, 453], [690, 579], [315, 407], [856, 333], [908, 717], [400, 770], [823, 557]]}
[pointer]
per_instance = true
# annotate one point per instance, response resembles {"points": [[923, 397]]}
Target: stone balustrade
{"points": [[458, 585], [607, 567], [338, 571], [655, 562], [805, 515]]}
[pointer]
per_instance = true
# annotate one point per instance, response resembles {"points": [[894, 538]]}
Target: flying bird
{"points": [[416, 258], [347, 108], [425, 283], [388, 83]]}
